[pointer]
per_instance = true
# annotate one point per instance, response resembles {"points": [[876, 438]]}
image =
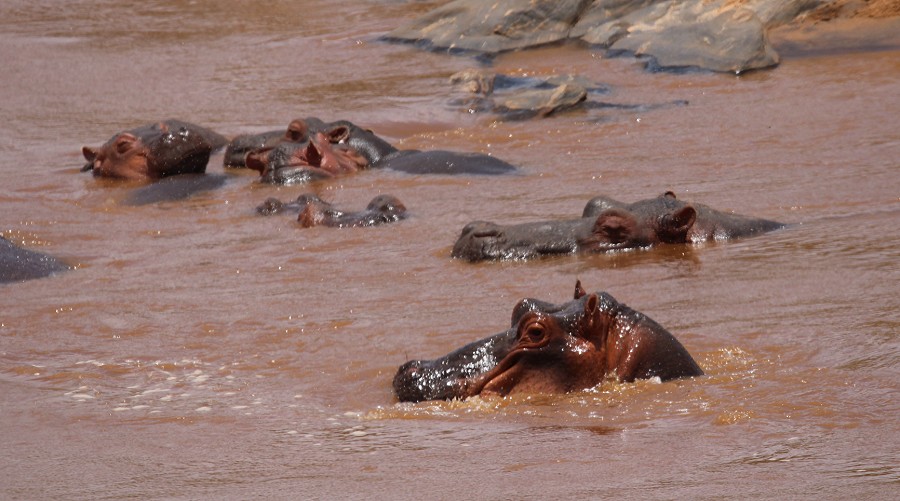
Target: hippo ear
{"points": [[674, 226], [297, 131], [579, 291], [669, 194], [596, 323], [90, 154], [615, 226], [338, 134], [591, 312]]}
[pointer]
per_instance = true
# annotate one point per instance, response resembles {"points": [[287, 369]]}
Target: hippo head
{"points": [[604, 227], [616, 228], [321, 156], [552, 349], [154, 151], [124, 156], [549, 349], [386, 208], [382, 209]]}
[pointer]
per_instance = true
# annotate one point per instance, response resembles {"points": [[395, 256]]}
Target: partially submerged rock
{"points": [[718, 35], [522, 97]]}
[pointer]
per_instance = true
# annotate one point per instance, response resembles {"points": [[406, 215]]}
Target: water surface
{"points": [[201, 351]]}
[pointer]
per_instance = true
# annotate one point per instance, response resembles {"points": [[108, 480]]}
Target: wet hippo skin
{"points": [[552, 349], [313, 211], [154, 151], [18, 264], [317, 150], [608, 225]]}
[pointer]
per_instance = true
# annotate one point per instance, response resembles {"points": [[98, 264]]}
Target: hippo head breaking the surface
{"points": [[608, 225], [323, 155], [154, 151], [383, 209], [552, 349]]}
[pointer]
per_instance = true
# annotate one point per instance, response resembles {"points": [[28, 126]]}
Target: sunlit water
{"points": [[201, 351]]}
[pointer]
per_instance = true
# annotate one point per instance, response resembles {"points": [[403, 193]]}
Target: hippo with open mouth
{"points": [[312, 149]]}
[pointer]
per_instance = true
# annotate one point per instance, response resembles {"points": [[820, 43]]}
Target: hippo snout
{"points": [[407, 382]]}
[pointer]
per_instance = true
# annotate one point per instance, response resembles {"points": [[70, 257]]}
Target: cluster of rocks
{"points": [[718, 35]]}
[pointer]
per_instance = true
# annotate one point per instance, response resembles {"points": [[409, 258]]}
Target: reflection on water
{"points": [[200, 351]]}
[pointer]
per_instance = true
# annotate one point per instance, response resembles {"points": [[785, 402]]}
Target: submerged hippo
{"points": [[552, 349], [313, 211], [154, 151], [18, 264], [608, 225], [321, 150]]}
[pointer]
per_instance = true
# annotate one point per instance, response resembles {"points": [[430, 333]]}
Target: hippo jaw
{"points": [[451, 376]]}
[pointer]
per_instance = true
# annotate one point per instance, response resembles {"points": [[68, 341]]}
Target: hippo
{"points": [[608, 225], [154, 151], [313, 211], [18, 264], [326, 150], [237, 150], [552, 349]]}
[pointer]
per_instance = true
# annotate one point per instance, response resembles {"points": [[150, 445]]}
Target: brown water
{"points": [[200, 351]]}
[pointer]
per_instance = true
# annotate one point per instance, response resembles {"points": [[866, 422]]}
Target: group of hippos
{"points": [[549, 348]]}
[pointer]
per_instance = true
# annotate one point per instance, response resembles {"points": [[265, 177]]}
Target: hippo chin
{"points": [[154, 151], [608, 225], [313, 211], [552, 349]]}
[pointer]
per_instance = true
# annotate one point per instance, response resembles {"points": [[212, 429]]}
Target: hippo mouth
{"points": [[457, 375]]}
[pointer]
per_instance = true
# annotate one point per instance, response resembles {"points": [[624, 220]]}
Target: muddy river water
{"points": [[198, 350]]}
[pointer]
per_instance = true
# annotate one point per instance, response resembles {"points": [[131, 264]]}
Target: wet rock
{"points": [[688, 34], [718, 35], [522, 97]]}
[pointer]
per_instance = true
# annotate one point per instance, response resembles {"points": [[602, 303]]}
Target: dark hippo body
{"points": [[330, 149], [18, 264], [552, 349], [446, 162], [313, 211], [154, 151], [172, 188], [608, 225]]}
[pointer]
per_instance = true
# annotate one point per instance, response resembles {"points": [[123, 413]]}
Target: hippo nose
{"points": [[406, 385]]}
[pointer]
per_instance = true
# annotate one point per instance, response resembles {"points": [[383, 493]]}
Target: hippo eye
{"points": [[534, 333], [122, 146]]}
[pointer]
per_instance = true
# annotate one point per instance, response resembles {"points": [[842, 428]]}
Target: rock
{"points": [[522, 97], [718, 35], [688, 34]]}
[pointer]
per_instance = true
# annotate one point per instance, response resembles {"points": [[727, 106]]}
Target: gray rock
{"points": [[719, 35]]}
